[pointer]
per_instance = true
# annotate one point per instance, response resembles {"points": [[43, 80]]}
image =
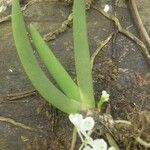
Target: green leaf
{"points": [[54, 66], [31, 66], [82, 56]]}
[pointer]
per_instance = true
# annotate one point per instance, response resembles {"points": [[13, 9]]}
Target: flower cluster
{"points": [[84, 126]]}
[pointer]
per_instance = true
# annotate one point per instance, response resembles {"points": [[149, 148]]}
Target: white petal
{"points": [[105, 96], [76, 119], [87, 124], [106, 8], [111, 148], [87, 148], [99, 144]]}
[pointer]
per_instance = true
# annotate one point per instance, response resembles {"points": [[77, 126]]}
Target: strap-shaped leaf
{"points": [[62, 78], [31, 66], [82, 56]]}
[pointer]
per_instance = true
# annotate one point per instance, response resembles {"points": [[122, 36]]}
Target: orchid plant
{"points": [[71, 97]]}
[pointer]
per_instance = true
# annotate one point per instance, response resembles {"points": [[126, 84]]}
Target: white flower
{"points": [[87, 124], [106, 8], [76, 119], [87, 148], [105, 96], [98, 144], [81, 124]]}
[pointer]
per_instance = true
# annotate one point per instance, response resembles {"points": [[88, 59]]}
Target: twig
{"points": [[18, 124], [21, 93], [144, 35], [52, 35], [142, 142], [126, 33], [74, 139], [111, 141], [15, 96], [80, 148], [102, 44], [126, 123], [8, 17], [65, 24], [123, 122]]}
